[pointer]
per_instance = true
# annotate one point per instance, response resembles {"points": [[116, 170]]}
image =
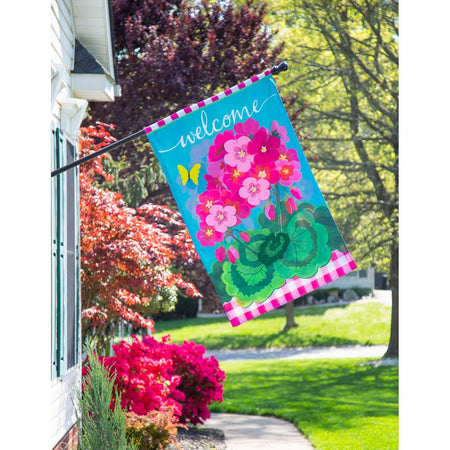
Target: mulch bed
{"points": [[199, 439]]}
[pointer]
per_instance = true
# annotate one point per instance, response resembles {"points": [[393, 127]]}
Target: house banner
{"points": [[249, 199]]}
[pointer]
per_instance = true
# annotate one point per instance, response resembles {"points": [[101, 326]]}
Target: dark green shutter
{"points": [[58, 257], [54, 149], [65, 259]]}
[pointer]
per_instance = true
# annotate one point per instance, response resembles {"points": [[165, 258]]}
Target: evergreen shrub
{"points": [[101, 426]]}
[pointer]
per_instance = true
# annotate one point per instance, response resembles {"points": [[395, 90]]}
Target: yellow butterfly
{"points": [[189, 175]]}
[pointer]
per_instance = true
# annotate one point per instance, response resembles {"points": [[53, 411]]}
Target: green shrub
{"points": [[362, 292], [322, 294], [100, 427], [153, 431], [186, 307]]}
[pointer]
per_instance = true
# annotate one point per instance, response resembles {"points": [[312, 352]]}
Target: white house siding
{"points": [[62, 413], [62, 388], [355, 279], [62, 52], [93, 30]]}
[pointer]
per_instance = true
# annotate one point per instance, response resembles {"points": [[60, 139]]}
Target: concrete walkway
{"points": [[347, 351], [383, 297], [243, 432]]}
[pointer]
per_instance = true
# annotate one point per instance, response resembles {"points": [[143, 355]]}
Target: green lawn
{"points": [[365, 323], [337, 404]]}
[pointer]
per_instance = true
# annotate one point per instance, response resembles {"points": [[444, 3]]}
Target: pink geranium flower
{"points": [[237, 154], [206, 200], [233, 178], [208, 235], [216, 168], [289, 172], [217, 151], [248, 128], [243, 207], [279, 131], [268, 172], [264, 147], [221, 217], [288, 154], [213, 182], [229, 198], [255, 190]]}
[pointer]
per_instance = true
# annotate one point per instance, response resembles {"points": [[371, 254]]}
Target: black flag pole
{"points": [[283, 66], [108, 148]]}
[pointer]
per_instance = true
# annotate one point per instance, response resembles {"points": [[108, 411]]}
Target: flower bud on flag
{"points": [[270, 212], [244, 236], [291, 206], [232, 255], [295, 191], [220, 253]]}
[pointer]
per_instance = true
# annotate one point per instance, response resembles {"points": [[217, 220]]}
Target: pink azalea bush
{"points": [[201, 381], [153, 375]]}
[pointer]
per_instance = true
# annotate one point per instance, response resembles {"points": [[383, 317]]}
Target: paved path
{"points": [[243, 432], [383, 296], [347, 351]]}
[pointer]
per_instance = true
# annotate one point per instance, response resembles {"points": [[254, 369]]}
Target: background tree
{"points": [[343, 59], [171, 54], [187, 262], [127, 269]]}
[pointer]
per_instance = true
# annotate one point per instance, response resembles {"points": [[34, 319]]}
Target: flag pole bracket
{"points": [[282, 67]]}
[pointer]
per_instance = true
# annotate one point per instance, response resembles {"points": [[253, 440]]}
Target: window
{"points": [[65, 259], [362, 273]]}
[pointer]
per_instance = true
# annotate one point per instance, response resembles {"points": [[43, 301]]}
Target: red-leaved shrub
{"points": [[151, 375]]}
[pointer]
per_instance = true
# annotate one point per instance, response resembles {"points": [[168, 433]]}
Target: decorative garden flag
{"points": [[249, 199]]}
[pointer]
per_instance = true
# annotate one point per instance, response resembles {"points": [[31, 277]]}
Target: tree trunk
{"points": [[392, 351], [290, 319]]}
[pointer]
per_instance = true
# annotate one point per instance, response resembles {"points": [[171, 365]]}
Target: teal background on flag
{"points": [[186, 141], [249, 199]]}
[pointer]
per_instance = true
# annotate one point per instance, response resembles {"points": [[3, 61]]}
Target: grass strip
{"points": [[363, 323]]}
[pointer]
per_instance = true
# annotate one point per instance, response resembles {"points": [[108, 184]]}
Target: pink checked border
{"points": [[208, 101], [340, 264]]}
